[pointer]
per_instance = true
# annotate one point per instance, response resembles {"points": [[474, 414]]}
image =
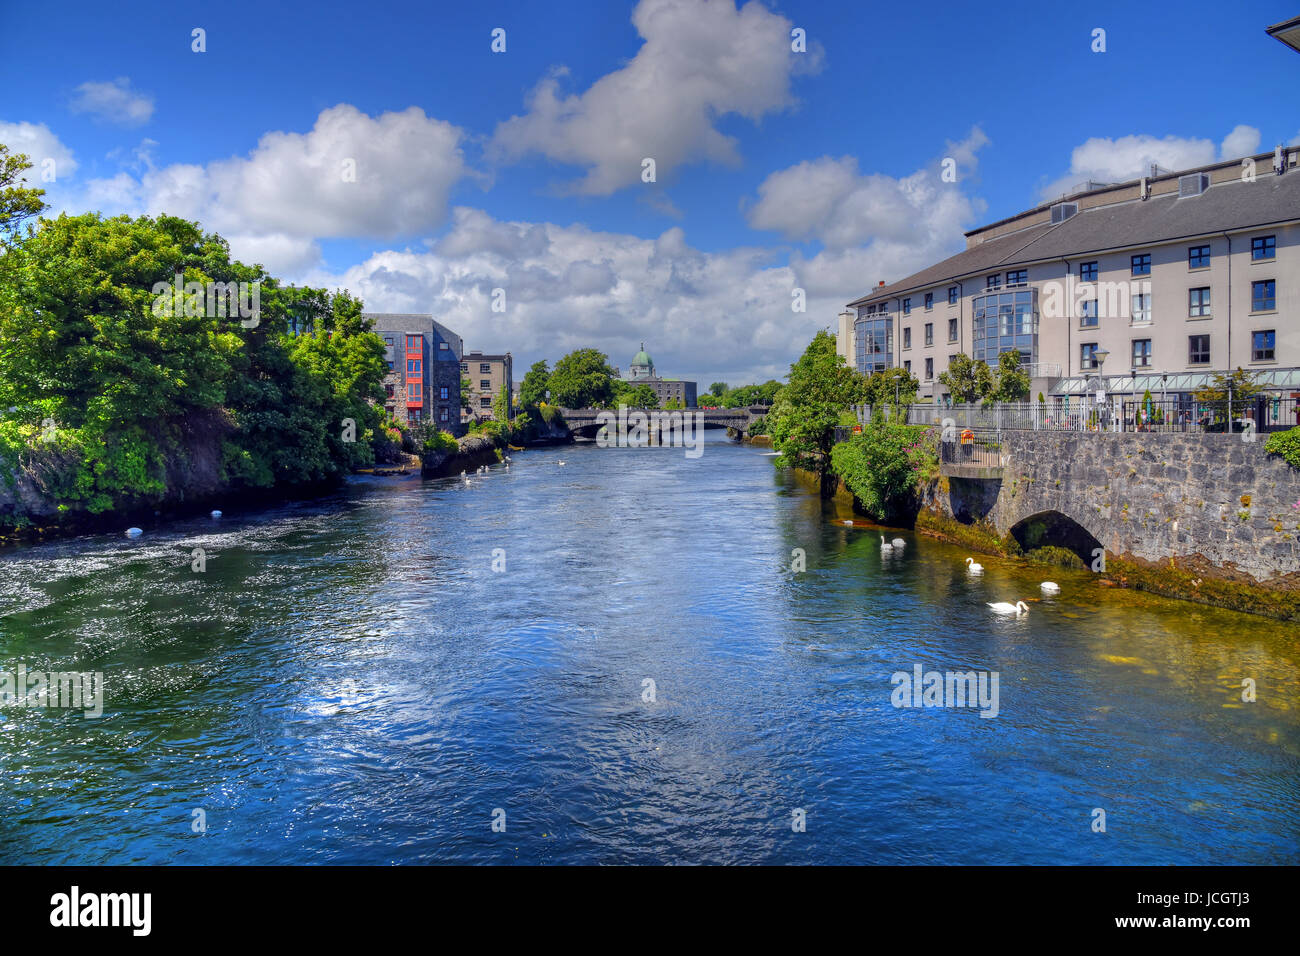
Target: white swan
{"points": [[849, 522], [899, 543], [885, 545], [1050, 587], [974, 567], [216, 514], [1002, 607], [466, 477], [133, 532], [559, 463]]}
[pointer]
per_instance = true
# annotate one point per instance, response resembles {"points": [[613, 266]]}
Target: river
{"points": [[645, 679]]}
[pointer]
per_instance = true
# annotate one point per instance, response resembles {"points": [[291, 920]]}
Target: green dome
{"points": [[642, 357]]}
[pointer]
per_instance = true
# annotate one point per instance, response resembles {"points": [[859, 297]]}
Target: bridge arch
{"points": [[1052, 528]]}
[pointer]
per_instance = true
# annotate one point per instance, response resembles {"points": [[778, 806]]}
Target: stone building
{"points": [[423, 382], [487, 375], [642, 372]]}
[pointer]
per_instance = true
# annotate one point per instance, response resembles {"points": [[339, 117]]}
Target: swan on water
{"points": [[133, 532], [899, 543], [849, 522], [559, 463], [974, 567], [1050, 587], [216, 514], [1002, 607], [466, 478], [885, 545]]}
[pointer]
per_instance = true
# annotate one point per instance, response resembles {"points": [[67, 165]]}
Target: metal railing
{"points": [[982, 451], [1118, 413]]}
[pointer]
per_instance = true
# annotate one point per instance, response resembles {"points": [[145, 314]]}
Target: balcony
{"points": [[979, 458]]}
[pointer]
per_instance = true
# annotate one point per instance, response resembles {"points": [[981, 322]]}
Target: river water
{"points": [[647, 680]]}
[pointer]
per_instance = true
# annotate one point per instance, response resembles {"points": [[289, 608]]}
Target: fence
{"points": [[1117, 413], [981, 451]]}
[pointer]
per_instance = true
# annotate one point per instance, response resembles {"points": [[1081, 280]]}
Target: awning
{"points": [[1270, 379]]}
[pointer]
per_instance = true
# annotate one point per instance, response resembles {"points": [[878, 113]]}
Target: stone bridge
{"points": [[1194, 499], [586, 422]]}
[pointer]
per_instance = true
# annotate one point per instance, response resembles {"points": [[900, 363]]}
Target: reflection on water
{"points": [[350, 682]]}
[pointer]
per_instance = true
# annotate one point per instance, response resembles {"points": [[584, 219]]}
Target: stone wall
{"points": [[1205, 502]]}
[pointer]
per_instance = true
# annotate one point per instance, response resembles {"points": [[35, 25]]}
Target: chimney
{"points": [[1278, 165]]}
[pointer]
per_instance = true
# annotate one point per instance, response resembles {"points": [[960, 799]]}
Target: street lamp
{"points": [[1099, 356]]}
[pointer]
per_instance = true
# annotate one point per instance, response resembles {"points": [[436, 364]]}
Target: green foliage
{"points": [[582, 379], [891, 386], [803, 418], [885, 464], [675, 404], [1011, 383], [1239, 383], [501, 405], [1286, 444], [466, 393], [18, 203], [966, 380], [747, 395], [639, 396], [128, 388], [532, 391]]}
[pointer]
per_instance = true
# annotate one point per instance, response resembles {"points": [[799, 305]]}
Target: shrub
{"points": [[885, 465], [1286, 444]]}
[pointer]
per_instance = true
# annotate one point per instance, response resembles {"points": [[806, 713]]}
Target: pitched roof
{"points": [[1223, 207]]}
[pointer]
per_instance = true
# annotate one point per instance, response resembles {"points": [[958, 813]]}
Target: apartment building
{"points": [[423, 381], [487, 375], [1153, 284]]}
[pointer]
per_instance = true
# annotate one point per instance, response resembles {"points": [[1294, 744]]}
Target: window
{"points": [[414, 367], [1140, 265], [929, 369], [1141, 308], [413, 391], [485, 402], [907, 338], [873, 341], [390, 364], [388, 340], [464, 366], [1261, 346], [1263, 295], [442, 392], [929, 301], [1088, 271], [1198, 350], [1198, 303], [388, 391], [443, 346], [412, 343], [929, 333], [952, 295], [1141, 353], [993, 282], [1088, 355], [907, 367], [484, 368], [1088, 313], [484, 384], [907, 306], [952, 330], [1263, 247], [1004, 322], [1018, 277], [1198, 257], [442, 414]]}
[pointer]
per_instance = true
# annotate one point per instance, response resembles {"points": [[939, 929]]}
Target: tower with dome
{"points": [[642, 372]]}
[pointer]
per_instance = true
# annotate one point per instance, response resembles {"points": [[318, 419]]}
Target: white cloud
{"points": [[700, 61], [294, 188], [873, 226], [700, 313], [113, 102], [40, 145], [1242, 141], [1129, 157]]}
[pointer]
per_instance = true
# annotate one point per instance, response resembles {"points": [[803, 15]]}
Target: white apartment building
{"points": [[1170, 278]]}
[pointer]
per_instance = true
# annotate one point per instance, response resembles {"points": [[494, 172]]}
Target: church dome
{"points": [[642, 357]]}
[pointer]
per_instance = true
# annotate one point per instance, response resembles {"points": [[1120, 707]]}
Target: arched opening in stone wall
{"points": [[1054, 537]]}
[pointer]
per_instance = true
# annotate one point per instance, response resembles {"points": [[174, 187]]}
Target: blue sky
{"points": [[775, 170]]}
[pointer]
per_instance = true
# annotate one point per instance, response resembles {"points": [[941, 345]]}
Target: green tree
{"points": [[885, 464], [18, 203], [889, 386], [640, 396], [466, 393], [582, 379], [803, 419], [501, 405], [532, 391], [1238, 384], [967, 381], [1011, 383]]}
